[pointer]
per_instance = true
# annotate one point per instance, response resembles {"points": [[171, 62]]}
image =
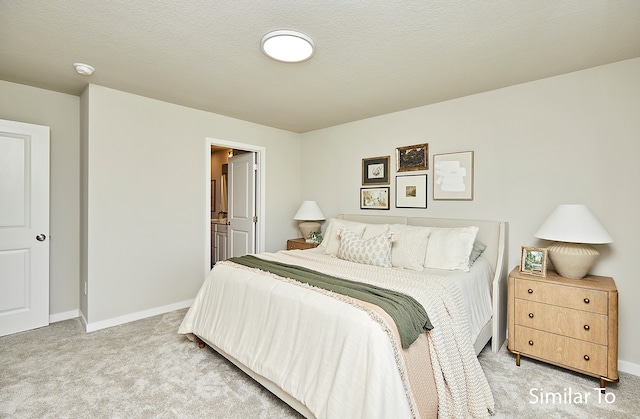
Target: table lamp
{"points": [[309, 213], [573, 228]]}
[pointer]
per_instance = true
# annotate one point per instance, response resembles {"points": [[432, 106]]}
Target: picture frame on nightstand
{"points": [[533, 261]]}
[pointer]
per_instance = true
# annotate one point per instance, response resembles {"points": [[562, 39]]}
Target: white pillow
{"points": [[373, 230], [409, 246], [449, 248], [331, 240], [374, 251]]}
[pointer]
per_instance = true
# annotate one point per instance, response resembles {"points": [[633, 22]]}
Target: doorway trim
{"points": [[261, 158]]}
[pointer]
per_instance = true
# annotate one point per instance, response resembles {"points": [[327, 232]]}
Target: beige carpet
{"points": [[538, 390], [144, 369]]}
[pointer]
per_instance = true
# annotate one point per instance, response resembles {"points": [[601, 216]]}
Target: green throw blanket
{"points": [[409, 315]]}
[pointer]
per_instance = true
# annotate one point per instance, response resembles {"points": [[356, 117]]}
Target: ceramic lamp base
{"points": [[307, 227], [572, 260]]}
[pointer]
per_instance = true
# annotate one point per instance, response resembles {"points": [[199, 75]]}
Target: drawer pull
{"points": [[586, 357], [530, 291], [531, 315], [531, 342], [586, 301], [586, 327]]}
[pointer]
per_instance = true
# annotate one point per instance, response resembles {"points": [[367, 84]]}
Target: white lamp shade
{"points": [[309, 211], [573, 223]]}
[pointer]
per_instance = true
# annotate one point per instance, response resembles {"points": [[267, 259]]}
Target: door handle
{"points": [[41, 237]]}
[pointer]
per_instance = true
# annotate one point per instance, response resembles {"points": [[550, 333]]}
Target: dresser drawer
{"points": [[561, 295], [561, 350], [577, 324]]}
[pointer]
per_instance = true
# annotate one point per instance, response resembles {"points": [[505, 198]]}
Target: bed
{"points": [[333, 354]]}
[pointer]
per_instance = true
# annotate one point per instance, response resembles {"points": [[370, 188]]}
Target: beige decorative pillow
{"points": [[374, 251], [409, 246], [373, 230], [450, 248], [331, 240]]}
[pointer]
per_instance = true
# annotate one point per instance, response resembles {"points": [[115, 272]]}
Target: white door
{"points": [[24, 226], [242, 205]]}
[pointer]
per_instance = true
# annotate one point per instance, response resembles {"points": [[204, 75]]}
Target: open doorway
{"points": [[223, 232]]}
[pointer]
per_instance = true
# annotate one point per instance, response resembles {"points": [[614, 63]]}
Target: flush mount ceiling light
{"points": [[287, 46], [84, 69]]}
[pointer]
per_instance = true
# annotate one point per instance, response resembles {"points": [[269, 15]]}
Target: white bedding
{"points": [[475, 289], [345, 365]]}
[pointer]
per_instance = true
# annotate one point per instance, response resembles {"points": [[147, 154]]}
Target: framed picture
{"points": [[411, 191], [533, 261], [375, 171], [453, 176], [374, 198], [413, 157]]}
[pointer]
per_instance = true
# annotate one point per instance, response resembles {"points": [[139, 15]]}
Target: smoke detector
{"points": [[84, 69]]}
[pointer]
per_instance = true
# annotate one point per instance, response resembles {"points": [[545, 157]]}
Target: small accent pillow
{"points": [[450, 248], [478, 248], [409, 246], [374, 251], [331, 241]]}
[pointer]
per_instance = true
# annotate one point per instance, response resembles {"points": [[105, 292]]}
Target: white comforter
{"points": [[333, 358]]}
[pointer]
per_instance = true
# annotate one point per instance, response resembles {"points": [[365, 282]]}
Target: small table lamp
{"points": [[573, 228], [309, 213]]}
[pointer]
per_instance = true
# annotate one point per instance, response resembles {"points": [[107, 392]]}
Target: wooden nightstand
{"points": [[300, 244], [572, 323]]}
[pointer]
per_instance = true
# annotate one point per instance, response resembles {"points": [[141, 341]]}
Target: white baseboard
{"points": [[58, 317], [103, 324], [629, 367]]}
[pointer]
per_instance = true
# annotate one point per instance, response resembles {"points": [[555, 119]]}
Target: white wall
{"points": [[567, 139], [146, 226], [572, 138], [61, 113]]}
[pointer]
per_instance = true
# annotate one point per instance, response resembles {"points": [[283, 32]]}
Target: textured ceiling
{"points": [[372, 57]]}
